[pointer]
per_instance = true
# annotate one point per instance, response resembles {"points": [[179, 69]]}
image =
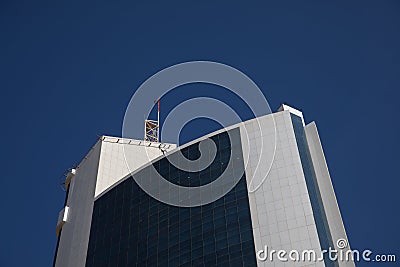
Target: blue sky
{"points": [[68, 70]]}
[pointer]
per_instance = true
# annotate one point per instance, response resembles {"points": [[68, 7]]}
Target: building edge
{"points": [[328, 196]]}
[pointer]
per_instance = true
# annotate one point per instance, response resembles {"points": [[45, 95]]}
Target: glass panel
{"points": [[130, 228]]}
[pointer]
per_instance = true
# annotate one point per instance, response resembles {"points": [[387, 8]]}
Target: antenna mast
{"points": [[158, 121], [152, 127]]}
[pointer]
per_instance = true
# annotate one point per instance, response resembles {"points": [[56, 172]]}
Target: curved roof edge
{"points": [[282, 108]]}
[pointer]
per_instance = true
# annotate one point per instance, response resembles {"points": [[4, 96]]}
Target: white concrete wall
{"points": [[331, 207], [119, 158], [281, 210], [104, 166], [75, 232]]}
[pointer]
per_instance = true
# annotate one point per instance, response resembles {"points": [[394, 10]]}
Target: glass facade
{"points": [[321, 222], [130, 228]]}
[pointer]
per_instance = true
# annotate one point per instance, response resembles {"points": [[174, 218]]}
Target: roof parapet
{"points": [[293, 111]]}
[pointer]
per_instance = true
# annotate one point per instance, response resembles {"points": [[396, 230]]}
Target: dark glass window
{"points": [[130, 228], [321, 222]]}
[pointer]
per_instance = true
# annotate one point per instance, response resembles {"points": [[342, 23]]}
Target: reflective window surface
{"points": [[321, 222], [130, 228]]}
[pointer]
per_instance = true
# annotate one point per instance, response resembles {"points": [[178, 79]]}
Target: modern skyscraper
{"points": [[283, 199]]}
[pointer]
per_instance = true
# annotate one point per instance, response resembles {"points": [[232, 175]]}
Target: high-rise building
{"points": [[109, 220]]}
